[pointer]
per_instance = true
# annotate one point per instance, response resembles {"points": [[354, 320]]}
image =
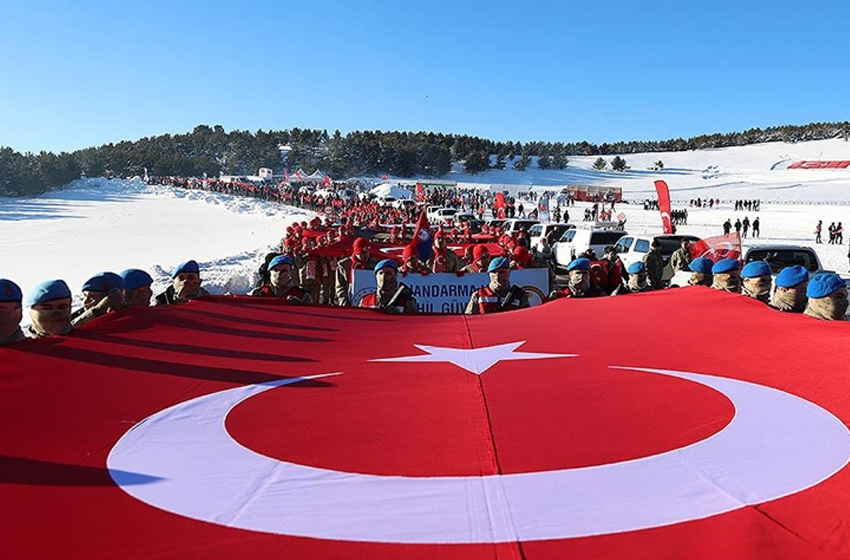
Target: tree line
{"points": [[213, 151]]}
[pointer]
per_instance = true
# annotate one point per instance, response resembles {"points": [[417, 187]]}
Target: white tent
{"points": [[386, 189]]}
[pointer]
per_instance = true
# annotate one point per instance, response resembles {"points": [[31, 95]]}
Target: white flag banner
{"points": [[449, 293]]}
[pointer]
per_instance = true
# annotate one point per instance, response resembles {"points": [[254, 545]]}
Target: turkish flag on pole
{"points": [[420, 193], [326, 181], [422, 237], [500, 206], [718, 247], [664, 206], [247, 428]]}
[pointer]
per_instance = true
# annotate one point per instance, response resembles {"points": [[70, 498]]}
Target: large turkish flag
{"points": [[683, 423]]}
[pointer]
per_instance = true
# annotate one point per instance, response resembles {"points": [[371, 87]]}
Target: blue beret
{"points": [[756, 268], [824, 284], [280, 259], [188, 266], [636, 268], [498, 263], [579, 264], [725, 265], [103, 282], [47, 291], [791, 276], [386, 263], [135, 278], [9, 291], [701, 265]]}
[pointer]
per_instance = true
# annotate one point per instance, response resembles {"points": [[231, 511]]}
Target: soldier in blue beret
{"points": [[727, 276], [137, 287], [185, 285], [50, 309], [102, 293], [578, 281], [391, 296], [757, 281], [499, 295], [790, 293], [827, 295], [701, 272], [638, 280], [281, 283], [11, 313]]}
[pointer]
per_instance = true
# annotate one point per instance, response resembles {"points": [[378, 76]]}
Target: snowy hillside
{"points": [[756, 171]]}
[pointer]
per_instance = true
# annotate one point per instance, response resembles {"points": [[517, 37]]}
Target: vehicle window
{"points": [[623, 245], [669, 246], [535, 231], [642, 246], [605, 237], [568, 235], [780, 259]]}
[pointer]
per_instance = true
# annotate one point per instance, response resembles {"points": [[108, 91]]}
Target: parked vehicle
{"points": [[551, 232], [777, 256], [439, 214], [514, 225], [576, 241], [633, 248]]}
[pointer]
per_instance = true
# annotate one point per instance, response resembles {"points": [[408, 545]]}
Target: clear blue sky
{"points": [[79, 74]]}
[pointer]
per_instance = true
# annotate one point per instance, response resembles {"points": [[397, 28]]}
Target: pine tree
{"points": [[619, 164], [600, 164], [477, 161], [523, 162]]}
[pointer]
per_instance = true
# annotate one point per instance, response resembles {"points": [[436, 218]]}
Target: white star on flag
{"points": [[474, 360]]}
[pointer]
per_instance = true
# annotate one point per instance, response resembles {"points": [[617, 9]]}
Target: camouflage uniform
{"points": [[654, 268]]}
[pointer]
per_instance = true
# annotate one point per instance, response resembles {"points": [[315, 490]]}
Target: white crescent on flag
{"points": [[777, 444]]}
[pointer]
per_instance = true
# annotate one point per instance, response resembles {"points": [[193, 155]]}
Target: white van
{"points": [[576, 241], [633, 248], [551, 232]]}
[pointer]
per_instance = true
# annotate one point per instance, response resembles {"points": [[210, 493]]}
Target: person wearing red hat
{"points": [[480, 260], [412, 264], [520, 258], [443, 259], [359, 259]]}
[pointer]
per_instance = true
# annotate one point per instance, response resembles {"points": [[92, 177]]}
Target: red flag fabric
{"points": [[664, 206], [718, 247], [286, 175], [326, 181], [422, 237], [246, 428], [420, 193]]}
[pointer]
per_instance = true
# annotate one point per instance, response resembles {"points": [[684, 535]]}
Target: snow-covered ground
{"points": [[95, 225]]}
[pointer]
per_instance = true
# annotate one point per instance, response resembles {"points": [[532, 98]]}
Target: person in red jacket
{"points": [[499, 295], [391, 296], [281, 284]]}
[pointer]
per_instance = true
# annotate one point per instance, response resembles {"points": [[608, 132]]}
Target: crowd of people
{"points": [[743, 227], [315, 264], [836, 233], [304, 276]]}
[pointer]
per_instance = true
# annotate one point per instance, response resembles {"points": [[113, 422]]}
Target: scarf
{"points": [[827, 308], [791, 301], [759, 290]]}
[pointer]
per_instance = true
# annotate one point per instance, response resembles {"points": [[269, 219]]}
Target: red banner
{"points": [[420, 193], [664, 206], [246, 428]]}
